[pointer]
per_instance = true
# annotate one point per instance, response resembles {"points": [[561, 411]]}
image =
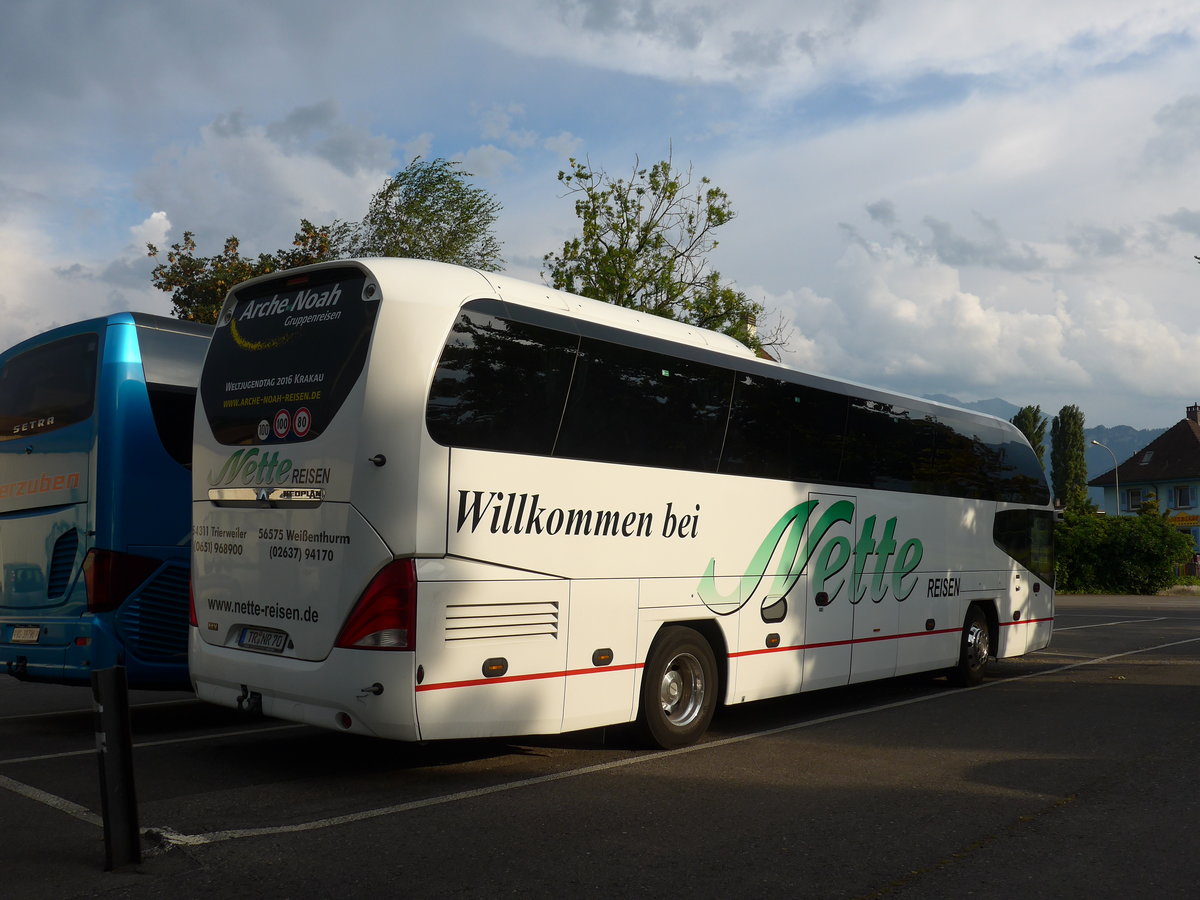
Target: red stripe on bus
{"points": [[1026, 621], [866, 640], [536, 676], [540, 676]]}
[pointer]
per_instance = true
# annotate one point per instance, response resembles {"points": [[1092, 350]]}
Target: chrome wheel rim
{"points": [[978, 646], [681, 691]]}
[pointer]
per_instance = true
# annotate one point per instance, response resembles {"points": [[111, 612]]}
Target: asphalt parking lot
{"points": [[1070, 772]]}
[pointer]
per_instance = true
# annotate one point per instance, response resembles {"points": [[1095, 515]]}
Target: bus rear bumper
{"points": [[68, 651], [356, 691], [65, 651]]}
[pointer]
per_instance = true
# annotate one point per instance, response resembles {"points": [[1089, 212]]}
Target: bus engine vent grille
{"points": [[62, 563], [154, 621], [475, 622]]}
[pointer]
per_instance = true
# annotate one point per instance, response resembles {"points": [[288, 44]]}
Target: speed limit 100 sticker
{"points": [[301, 422], [282, 423]]}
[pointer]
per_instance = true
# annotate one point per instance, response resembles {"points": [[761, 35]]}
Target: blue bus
{"points": [[95, 530]]}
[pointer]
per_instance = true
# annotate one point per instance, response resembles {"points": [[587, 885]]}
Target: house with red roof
{"points": [[1166, 470]]}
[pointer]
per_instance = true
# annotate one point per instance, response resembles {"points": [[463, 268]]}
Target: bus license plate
{"points": [[26, 634], [263, 639]]}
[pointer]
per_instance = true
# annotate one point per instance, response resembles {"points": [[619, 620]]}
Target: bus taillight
{"points": [[110, 576], [385, 617]]}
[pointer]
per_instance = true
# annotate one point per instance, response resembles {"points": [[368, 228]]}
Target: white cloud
{"points": [[420, 146], [778, 46], [563, 145], [258, 181], [944, 197], [496, 123], [44, 288], [907, 320], [152, 231], [487, 161]]}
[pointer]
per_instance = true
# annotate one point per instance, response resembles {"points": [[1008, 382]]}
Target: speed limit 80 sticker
{"points": [[301, 422]]}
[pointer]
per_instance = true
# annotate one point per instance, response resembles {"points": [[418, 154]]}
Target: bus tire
{"points": [[975, 647], [679, 689]]}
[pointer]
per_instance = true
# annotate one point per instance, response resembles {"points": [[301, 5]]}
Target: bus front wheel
{"points": [[679, 689], [974, 649]]}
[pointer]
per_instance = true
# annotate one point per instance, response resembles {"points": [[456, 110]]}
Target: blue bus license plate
{"points": [[263, 639]]}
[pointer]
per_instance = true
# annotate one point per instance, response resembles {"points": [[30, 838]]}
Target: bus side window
{"points": [[1027, 535], [173, 409], [888, 447], [782, 430], [171, 362], [500, 385], [638, 407]]}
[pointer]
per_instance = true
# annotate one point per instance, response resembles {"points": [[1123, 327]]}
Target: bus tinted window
{"points": [[1012, 466], [174, 411], [957, 469], [981, 460], [295, 343], [500, 385], [1027, 535], [888, 447], [171, 362], [782, 430], [638, 407], [49, 387]]}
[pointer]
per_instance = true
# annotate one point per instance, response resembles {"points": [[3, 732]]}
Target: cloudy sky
{"points": [[940, 197]]}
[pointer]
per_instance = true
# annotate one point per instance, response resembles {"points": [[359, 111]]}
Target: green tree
{"points": [[644, 244], [426, 211], [1031, 423], [1118, 554], [1068, 471], [198, 284], [430, 211]]}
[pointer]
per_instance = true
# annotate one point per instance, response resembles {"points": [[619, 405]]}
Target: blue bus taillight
{"points": [[385, 617], [110, 576]]}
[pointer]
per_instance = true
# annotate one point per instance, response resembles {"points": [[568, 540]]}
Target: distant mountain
{"points": [[1121, 439]]}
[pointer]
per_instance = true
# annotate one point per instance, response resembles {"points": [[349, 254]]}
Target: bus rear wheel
{"points": [[679, 689], [974, 649]]}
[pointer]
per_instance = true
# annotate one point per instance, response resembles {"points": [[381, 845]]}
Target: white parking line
{"points": [[213, 837], [1107, 624], [142, 744], [76, 712], [171, 836], [71, 809]]}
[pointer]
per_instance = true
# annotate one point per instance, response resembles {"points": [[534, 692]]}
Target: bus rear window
{"points": [[48, 387], [283, 364]]}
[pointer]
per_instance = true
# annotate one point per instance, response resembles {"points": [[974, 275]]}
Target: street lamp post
{"points": [[1116, 475]]}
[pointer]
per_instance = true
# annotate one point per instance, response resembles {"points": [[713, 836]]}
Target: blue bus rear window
{"points": [[48, 387]]}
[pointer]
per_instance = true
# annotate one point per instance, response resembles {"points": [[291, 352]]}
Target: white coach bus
{"points": [[432, 502]]}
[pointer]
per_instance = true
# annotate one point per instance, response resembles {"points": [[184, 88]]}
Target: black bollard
{"points": [[114, 746]]}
